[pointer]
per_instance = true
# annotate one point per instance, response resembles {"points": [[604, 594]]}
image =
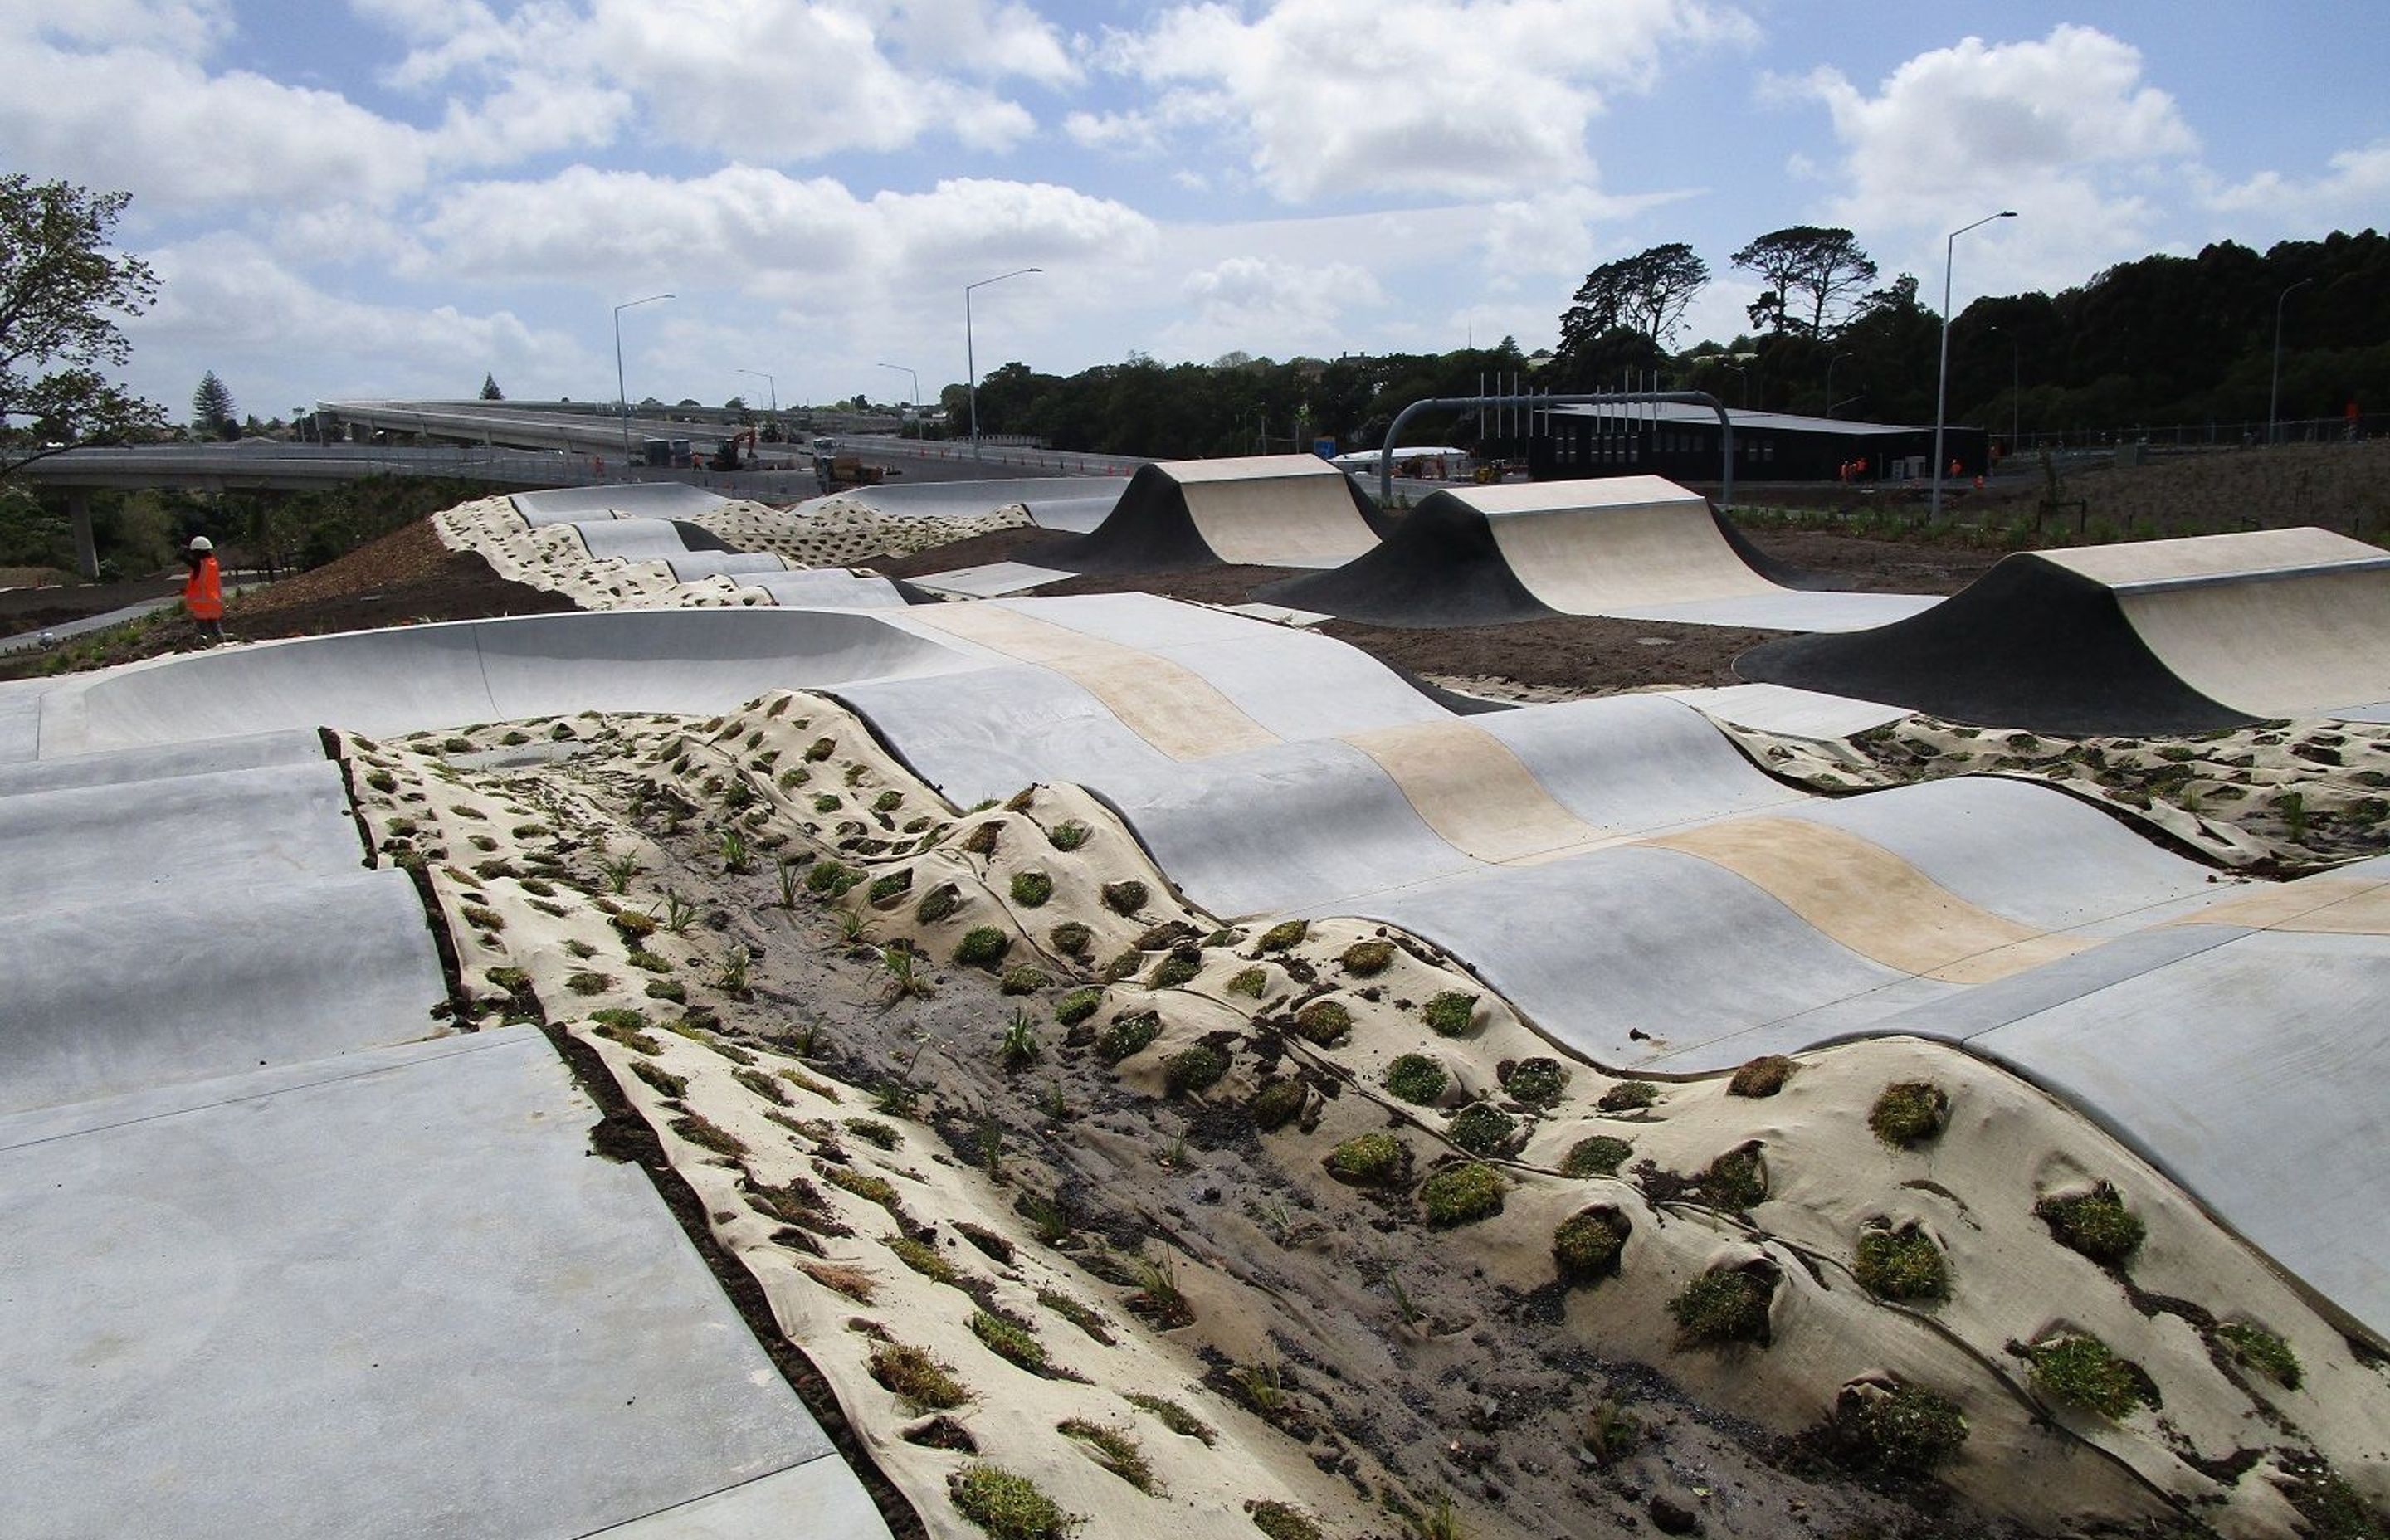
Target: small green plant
{"points": [[1031, 890], [821, 749], [1450, 1013], [1462, 1194], [1193, 1069], [1250, 981], [1009, 1340], [1736, 1180], [888, 800], [487, 919], [1910, 1112], [2096, 1224], [730, 972], [1629, 1096], [1178, 968], [1537, 1082], [1176, 1417], [634, 925], [1129, 1036], [1725, 1304], [1326, 1022], [381, 780], [1365, 1159], [1417, 1079], [905, 980], [1763, 1076], [1126, 897], [667, 1084], [665, 989], [1598, 1155], [1008, 1506], [1895, 1429], [981, 838], [1441, 1519], [1070, 834], [588, 984], [1263, 1386], [923, 1383], [1481, 1128], [938, 904], [1901, 1263], [1609, 1431], [1071, 938], [1023, 980], [889, 886], [1115, 1451], [855, 927], [1158, 1296], [1286, 934], [1276, 1104], [2082, 1371], [706, 1134], [619, 870], [873, 1132], [981, 946], [830, 879], [1587, 1244], [2255, 1347], [1077, 1006], [1019, 1046], [1366, 959], [923, 1258]]}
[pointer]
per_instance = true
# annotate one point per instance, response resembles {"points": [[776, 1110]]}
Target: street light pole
{"points": [[2274, 396], [1942, 375], [621, 390], [915, 402], [970, 355], [1830, 380], [773, 384]]}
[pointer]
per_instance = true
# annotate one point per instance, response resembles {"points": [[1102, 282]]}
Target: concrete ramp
{"points": [[1640, 548], [1277, 510], [698, 565], [1078, 502], [629, 539], [632, 500], [828, 587], [2155, 636]]}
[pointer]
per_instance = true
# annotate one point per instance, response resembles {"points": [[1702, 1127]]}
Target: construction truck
{"points": [[836, 473]]}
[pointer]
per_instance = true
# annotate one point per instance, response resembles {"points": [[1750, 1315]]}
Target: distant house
{"points": [[1681, 443]]}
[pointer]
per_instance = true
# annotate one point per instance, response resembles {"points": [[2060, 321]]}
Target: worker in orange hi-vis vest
{"points": [[203, 590]]}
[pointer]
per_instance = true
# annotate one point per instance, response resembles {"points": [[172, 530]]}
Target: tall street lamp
{"points": [[2274, 397], [772, 385], [971, 356], [916, 402], [1830, 380], [1942, 375], [621, 390]]}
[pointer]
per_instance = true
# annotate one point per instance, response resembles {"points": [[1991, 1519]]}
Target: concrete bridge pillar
{"points": [[86, 552]]}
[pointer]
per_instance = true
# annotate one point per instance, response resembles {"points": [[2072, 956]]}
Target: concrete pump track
{"points": [[211, 991]]}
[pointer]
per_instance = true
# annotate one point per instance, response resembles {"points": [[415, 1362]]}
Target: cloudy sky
{"points": [[387, 198]]}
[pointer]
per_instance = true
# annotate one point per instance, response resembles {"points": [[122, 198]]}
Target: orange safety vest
{"points": [[203, 591]]}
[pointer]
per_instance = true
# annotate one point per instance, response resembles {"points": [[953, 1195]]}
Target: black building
{"points": [[1681, 443]]}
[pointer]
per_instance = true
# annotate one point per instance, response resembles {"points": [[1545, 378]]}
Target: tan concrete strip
{"points": [[1276, 519], [2339, 905], [1168, 704], [1467, 785], [1870, 899], [2291, 646]]}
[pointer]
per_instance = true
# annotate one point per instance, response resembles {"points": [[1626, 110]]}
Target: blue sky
{"points": [[355, 197]]}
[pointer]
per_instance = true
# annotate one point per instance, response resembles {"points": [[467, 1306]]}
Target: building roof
{"points": [[1742, 416]]}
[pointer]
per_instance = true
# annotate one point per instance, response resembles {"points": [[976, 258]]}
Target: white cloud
{"points": [[1262, 301], [2352, 192], [1473, 97]]}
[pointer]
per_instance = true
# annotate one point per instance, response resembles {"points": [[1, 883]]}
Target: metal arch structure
{"points": [[1598, 398]]}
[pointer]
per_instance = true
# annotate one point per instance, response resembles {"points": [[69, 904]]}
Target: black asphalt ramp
{"points": [[1438, 566]]}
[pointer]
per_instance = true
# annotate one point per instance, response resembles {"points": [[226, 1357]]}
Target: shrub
{"points": [[1032, 889], [1071, 938], [1598, 1156], [1481, 1128], [588, 984], [1129, 1036], [1629, 1096], [1124, 965], [1763, 1076], [981, 838], [1365, 1158], [1070, 834], [923, 1383], [708, 1135], [1897, 1431], [1180, 966], [1537, 1082], [938, 904], [1725, 1304], [1284, 934], [1586, 1245], [1416, 1078], [1250, 981], [1024, 981], [827, 802], [1276, 1104], [1124, 897], [668, 989], [1462, 1194], [1009, 1340], [1366, 959], [872, 1131], [1910, 1112], [1006, 1506], [1115, 1451], [1736, 1180], [821, 749], [2081, 1371], [2094, 1223], [923, 1258], [2261, 1350], [888, 800], [1077, 1006], [1324, 1021], [1195, 1069], [1450, 1013], [890, 886], [830, 879], [1280, 1520], [1901, 1264], [981, 946], [1177, 1419]]}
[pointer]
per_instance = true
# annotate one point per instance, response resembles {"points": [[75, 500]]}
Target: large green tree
{"points": [[1810, 271], [62, 295], [1646, 294], [213, 413]]}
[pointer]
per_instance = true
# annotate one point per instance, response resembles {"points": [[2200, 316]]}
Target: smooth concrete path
{"points": [[25, 641], [990, 579]]}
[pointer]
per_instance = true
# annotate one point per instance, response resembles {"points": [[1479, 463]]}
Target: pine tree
{"points": [[213, 414], [490, 390]]}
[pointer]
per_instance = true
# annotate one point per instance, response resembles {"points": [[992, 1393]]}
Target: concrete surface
{"points": [[625, 539], [1283, 510], [991, 580], [706, 564], [973, 499], [828, 587], [641, 500]]}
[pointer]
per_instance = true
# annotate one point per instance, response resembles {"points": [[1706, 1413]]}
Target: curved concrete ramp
{"points": [[629, 539], [828, 587], [1276, 510], [632, 500], [2157, 636], [485, 671], [697, 565], [1073, 496], [1636, 547]]}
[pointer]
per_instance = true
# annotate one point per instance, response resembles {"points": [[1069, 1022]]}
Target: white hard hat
{"points": [[201, 543]]}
